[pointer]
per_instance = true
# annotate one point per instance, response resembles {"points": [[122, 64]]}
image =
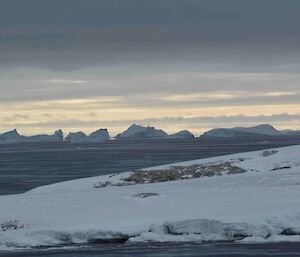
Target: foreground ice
{"points": [[259, 204]]}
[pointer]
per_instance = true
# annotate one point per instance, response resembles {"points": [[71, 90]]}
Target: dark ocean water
{"points": [[173, 250], [25, 166]]}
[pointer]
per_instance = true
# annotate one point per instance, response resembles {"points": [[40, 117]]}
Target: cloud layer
{"points": [[73, 63]]}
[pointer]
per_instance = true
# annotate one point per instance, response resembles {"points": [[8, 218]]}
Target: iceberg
{"points": [[14, 137], [261, 130], [95, 137], [137, 131], [182, 134]]}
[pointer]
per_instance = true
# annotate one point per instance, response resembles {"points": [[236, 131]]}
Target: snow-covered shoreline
{"points": [[261, 204]]}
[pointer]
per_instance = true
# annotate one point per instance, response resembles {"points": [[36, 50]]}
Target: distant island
{"points": [[256, 131], [141, 132]]}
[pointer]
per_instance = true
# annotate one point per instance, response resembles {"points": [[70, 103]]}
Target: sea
{"points": [[28, 165], [171, 250]]}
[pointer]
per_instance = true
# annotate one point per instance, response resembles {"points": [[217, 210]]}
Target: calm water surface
{"points": [[25, 166], [174, 250]]}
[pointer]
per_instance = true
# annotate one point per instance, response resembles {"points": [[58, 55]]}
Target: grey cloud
{"points": [[143, 12], [283, 117], [239, 101], [143, 50], [144, 86], [183, 122], [111, 12], [169, 46], [149, 103], [76, 34], [15, 118]]}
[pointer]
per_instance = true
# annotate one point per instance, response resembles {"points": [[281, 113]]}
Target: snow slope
{"points": [[261, 203]]}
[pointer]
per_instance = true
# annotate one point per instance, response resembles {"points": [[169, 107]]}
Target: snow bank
{"points": [[261, 204]]}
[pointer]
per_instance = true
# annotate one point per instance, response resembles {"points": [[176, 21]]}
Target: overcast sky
{"points": [[174, 64]]}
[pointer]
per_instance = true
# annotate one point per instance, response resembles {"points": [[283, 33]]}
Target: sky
{"points": [[172, 64]]}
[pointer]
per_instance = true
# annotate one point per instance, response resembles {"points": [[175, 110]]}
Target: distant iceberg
{"points": [[137, 131], [140, 132], [13, 136], [261, 130], [58, 136], [182, 134], [95, 137], [290, 132]]}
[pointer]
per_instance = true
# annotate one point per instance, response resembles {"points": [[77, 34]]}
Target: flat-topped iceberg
{"points": [[14, 137], [58, 136], [256, 131]]}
